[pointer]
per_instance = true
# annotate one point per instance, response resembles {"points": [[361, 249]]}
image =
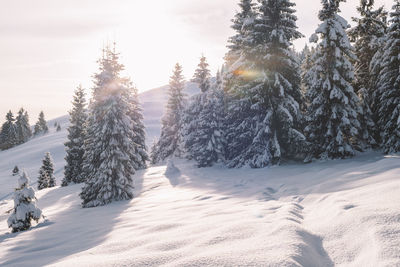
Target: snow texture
{"points": [[342, 212]]}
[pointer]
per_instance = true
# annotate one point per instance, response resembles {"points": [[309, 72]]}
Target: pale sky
{"points": [[49, 47]]}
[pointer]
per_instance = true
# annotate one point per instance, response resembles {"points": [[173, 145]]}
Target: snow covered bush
{"points": [[25, 209]]}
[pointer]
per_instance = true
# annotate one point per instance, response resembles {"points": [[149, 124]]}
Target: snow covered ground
{"points": [[336, 213]]}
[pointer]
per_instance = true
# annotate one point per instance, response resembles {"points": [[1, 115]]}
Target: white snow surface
{"points": [[335, 213]]}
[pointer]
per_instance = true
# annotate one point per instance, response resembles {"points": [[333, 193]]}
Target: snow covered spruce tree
{"points": [[25, 209], [202, 75], [263, 110], [306, 76], [139, 139], [192, 121], [207, 144], [41, 125], [170, 142], [76, 136], [46, 173], [8, 134], [332, 122], [369, 28], [242, 23], [389, 85], [244, 18], [110, 157], [24, 131]]}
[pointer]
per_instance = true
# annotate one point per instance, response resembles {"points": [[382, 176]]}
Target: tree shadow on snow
{"points": [[289, 179], [71, 230]]}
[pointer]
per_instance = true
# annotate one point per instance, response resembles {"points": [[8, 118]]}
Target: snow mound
{"points": [[171, 168], [321, 214]]}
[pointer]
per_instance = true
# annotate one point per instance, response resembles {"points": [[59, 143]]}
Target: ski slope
{"points": [[335, 213]]}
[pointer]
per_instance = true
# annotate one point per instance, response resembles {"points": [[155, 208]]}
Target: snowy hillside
{"points": [[343, 212]]}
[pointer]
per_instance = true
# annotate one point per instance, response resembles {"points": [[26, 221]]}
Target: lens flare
{"points": [[247, 74]]}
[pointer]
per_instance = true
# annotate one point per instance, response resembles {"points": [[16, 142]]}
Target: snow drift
{"points": [[342, 212]]}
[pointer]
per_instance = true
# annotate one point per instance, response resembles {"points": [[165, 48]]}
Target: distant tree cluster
{"points": [[270, 104], [16, 131]]}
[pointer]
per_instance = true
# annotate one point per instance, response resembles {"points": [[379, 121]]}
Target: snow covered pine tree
{"points": [[139, 139], [25, 209], [46, 173], [41, 125], [24, 131], [193, 123], [207, 143], [8, 134], [332, 117], [369, 28], [110, 151], [389, 85], [263, 109], [170, 142], [76, 136]]}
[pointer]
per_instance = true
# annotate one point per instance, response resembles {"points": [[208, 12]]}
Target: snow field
{"points": [[342, 213]]}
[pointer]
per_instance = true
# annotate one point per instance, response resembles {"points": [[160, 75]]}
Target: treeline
{"points": [[270, 104], [16, 131]]}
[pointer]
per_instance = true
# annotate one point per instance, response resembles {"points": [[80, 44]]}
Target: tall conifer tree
{"points": [[389, 85], [110, 157], [73, 170], [332, 123], [370, 27], [264, 113], [170, 142]]}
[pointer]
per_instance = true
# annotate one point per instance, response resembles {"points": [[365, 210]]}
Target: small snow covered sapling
{"points": [[25, 209], [58, 128], [15, 171]]}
